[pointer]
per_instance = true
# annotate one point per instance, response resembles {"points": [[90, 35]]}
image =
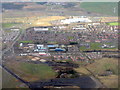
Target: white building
{"points": [[41, 29], [75, 20]]}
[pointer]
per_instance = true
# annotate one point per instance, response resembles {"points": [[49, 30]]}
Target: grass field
{"points": [[109, 81], [26, 41], [96, 46], [93, 46], [9, 81], [104, 64], [9, 25], [52, 42], [45, 21], [70, 37], [32, 72], [113, 23], [105, 8], [83, 71], [100, 66], [31, 21]]}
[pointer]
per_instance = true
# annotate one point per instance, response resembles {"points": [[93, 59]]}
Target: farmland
{"points": [[104, 64], [9, 81], [48, 42], [46, 20], [113, 23], [96, 46], [105, 8], [31, 21], [99, 67], [33, 72], [25, 41], [9, 25]]}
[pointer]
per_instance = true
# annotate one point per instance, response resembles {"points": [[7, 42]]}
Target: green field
{"points": [[95, 46], [104, 64], [40, 69], [105, 8], [32, 72], [26, 41], [9, 25], [99, 67], [70, 37], [8, 81], [113, 23], [52, 42]]}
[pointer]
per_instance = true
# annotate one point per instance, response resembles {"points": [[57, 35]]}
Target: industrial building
{"points": [[40, 48], [41, 29], [75, 20]]}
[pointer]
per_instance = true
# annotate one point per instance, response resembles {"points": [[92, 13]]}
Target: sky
{"points": [[60, 0]]}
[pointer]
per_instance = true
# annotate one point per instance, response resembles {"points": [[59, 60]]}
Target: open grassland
{"points": [[114, 23], [26, 41], [83, 71], [97, 46], [31, 21], [93, 46], [109, 81], [52, 18], [104, 64], [99, 67], [45, 21], [9, 25], [105, 8], [9, 81], [32, 72]]}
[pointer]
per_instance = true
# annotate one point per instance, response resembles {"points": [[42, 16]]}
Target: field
{"points": [[45, 21], [83, 71], [96, 46], [31, 21], [26, 41], [99, 67], [32, 72], [105, 8], [113, 23], [104, 64], [9, 25], [93, 46], [109, 81], [9, 81]]}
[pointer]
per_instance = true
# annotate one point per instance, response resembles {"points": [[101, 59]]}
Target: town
{"points": [[60, 51]]}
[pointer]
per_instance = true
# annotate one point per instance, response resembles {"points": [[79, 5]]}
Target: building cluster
{"points": [[75, 20], [55, 52], [9, 35], [84, 35], [64, 42], [38, 48]]}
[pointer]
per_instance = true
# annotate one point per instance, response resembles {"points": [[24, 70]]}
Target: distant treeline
{"points": [[70, 4], [41, 3], [12, 6]]}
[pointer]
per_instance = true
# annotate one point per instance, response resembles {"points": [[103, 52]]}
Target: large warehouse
{"points": [[75, 20]]}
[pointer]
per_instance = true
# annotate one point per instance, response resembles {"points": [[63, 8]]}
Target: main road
{"points": [[22, 31]]}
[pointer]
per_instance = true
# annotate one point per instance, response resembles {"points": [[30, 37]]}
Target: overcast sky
{"points": [[60, 0]]}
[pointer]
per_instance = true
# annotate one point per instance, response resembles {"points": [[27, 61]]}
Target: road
{"points": [[85, 82], [82, 81], [13, 74], [17, 38]]}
